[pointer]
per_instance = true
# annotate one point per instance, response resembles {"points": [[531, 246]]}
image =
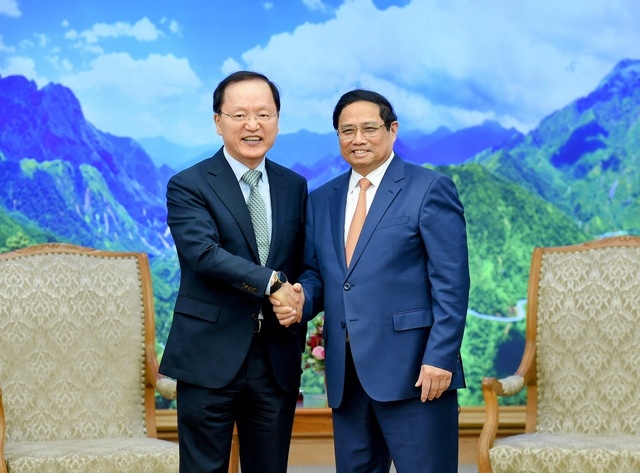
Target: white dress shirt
{"points": [[375, 177]]}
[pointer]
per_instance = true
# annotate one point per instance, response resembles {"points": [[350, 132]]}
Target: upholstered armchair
{"points": [[581, 366], [78, 367]]}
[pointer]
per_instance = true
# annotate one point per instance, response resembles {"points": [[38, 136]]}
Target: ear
{"points": [[394, 128], [216, 121]]}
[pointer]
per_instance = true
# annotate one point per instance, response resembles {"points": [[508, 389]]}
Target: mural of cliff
{"points": [[573, 178]]}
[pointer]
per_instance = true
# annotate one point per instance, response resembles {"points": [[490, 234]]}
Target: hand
{"points": [[434, 382], [288, 302]]}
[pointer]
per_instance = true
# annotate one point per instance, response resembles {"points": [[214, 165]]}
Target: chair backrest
{"points": [[72, 343], [584, 301]]}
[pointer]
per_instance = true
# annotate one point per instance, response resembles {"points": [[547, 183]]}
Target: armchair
{"points": [[581, 365], [78, 367]]}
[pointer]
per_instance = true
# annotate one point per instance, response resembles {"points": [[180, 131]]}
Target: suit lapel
{"points": [[389, 188], [279, 192], [223, 182], [337, 204]]}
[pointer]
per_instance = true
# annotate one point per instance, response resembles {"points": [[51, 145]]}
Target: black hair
{"points": [[361, 95], [239, 76]]}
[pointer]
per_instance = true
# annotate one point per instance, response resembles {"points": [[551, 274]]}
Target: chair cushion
{"points": [[566, 453], [138, 455]]}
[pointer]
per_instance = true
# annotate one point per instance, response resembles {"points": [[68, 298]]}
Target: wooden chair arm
{"points": [[166, 387], [491, 389], [3, 436]]}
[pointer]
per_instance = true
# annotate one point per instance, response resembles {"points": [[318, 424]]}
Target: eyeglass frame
{"points": [[372, 134], [259, 117]]}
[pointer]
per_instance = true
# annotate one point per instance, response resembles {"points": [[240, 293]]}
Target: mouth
{"points": [[252, 139], [360, 152]]}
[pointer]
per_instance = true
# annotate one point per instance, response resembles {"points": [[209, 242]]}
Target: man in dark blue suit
{"points": [[235, 364], [395, 296]]}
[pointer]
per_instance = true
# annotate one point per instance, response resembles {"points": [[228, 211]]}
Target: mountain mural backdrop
{"points": [[573, 178]]}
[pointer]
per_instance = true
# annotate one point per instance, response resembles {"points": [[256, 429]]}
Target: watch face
{"points": [[282, 278]]}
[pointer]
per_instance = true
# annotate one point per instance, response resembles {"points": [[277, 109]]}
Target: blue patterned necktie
{"points": [[258, 213]]}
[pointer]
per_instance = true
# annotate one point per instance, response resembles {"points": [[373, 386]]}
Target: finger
{"points": [[274, 301], [426, 390]]}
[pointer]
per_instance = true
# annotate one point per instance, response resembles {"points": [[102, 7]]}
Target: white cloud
{"points": [[159, 95], [4, 48], [314, 5], [23, 66], [10, 8], [142, 80], [230, 65], [142, 30], [174, 27], [449, 63]]}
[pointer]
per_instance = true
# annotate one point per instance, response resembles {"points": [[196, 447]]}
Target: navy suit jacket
{"points": [[222, 284], [404, 297]]}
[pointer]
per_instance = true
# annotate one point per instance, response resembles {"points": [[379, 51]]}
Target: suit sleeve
{"points": [[310, 279], [196, 233], [443, 229]]}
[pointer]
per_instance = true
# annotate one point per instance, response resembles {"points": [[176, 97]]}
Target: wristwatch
{"points": [[277, 281]]}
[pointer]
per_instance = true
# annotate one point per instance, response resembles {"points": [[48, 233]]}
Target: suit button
{"points": [[346, 286]]}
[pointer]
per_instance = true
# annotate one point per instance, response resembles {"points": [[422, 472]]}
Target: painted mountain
{"points": [[584, 158], [574, 178]]}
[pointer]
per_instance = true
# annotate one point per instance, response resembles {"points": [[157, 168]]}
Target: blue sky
{"points": [[145, 69]]}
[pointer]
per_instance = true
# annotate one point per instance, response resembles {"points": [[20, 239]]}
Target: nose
{"points": [[359, 136], [252, 122]]}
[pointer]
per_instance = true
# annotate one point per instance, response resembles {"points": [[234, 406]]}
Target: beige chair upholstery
{"points": [[581, 366], [78, 367]]}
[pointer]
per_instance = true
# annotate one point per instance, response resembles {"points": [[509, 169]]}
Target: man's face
{"points": [[365, 153], [248, 140]]}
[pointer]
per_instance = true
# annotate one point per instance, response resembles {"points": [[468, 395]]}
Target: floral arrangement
{"points": [[313, 356]]}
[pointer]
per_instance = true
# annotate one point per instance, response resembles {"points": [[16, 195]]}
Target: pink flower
{"points": [[318, 352]]}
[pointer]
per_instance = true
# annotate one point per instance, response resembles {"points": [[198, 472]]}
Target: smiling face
{"points": [[362, 153], [249, 140]]}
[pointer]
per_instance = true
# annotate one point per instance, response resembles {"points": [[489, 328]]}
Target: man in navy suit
{"points": [[235, 364], [395, 299]]}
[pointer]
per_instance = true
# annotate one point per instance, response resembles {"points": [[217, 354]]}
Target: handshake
{"points": [[288, 301]]}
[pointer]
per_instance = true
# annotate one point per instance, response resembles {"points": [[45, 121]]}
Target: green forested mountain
{"points": [[585, 158], [573, 178], [504, 223]]}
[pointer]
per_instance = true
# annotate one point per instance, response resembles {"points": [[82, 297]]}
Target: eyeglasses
{"points": [[368, 130], [243, 117]]}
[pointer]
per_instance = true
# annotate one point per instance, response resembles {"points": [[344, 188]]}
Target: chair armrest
{"points": [[166, 387], [491, 389], [3, 436]]}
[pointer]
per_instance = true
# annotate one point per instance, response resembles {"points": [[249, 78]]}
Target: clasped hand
{"points": [[287, 303]]}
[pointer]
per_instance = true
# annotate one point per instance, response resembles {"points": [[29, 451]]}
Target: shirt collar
{"points": [[375, 176], [239, 169]]}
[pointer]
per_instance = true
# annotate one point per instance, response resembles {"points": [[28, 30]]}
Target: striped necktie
{"points": [[258, 213]]}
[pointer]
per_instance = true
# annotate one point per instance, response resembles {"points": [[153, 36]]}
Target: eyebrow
{"points": [[362, 124]]}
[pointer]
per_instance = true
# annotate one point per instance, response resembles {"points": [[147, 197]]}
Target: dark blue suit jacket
{"points": [[222, 283], [404, 297]]}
